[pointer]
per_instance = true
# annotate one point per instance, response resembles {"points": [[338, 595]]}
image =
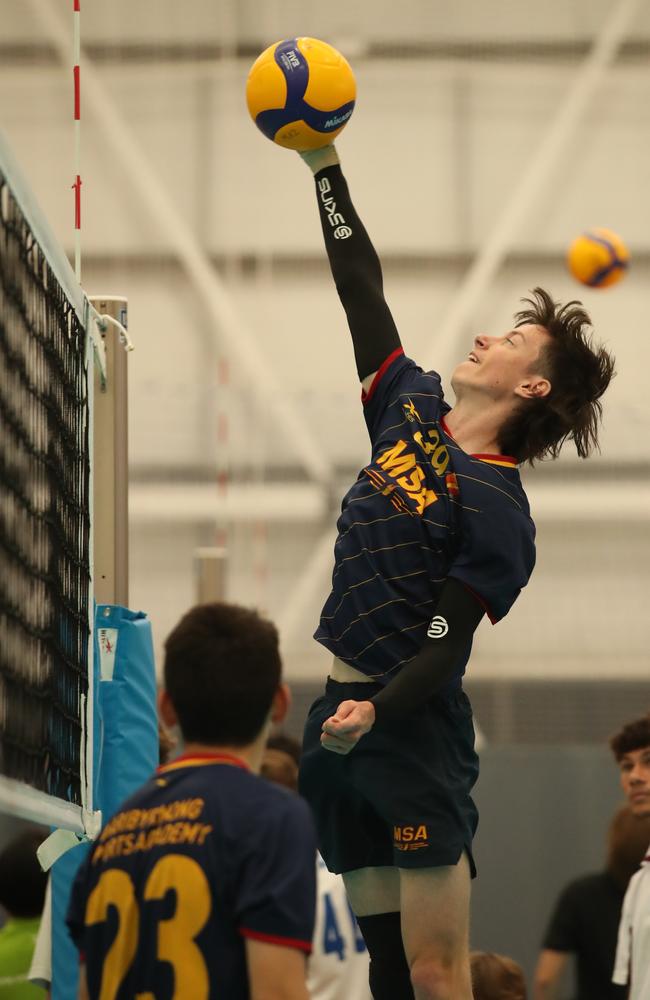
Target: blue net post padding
{"points": [[126, 748]]}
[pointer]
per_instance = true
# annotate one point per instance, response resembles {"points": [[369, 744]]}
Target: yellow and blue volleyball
{"points": [[598, 258], [301, 93]]}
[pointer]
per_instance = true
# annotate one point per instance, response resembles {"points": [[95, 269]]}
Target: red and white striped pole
{"points": [[77, 138]]}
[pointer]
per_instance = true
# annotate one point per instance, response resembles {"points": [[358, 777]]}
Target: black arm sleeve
{"points": [[436, 662], [357, 273]]}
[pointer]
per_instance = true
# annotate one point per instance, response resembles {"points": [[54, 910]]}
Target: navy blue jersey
{"points": [[203, 856], [421, 511]]}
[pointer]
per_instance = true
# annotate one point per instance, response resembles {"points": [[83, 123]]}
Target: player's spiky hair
{"points": [[579, 372]]}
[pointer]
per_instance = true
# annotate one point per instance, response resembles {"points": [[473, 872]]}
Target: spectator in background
{"points": [[280, 740], [338, 966], [495, 977], [22, 892], [586, 916], [631, 748], [280, 767]]}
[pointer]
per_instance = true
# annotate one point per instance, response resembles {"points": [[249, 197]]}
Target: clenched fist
{"points": [[342, 731]]}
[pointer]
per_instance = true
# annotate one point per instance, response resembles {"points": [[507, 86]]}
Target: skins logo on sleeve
{"points": [[438, 627], [334, 218]]}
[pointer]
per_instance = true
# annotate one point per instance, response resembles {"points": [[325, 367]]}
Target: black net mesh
{"points": [[44, 517]]}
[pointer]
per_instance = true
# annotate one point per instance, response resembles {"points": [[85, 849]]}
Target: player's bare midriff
{"points": [[346, 674]]}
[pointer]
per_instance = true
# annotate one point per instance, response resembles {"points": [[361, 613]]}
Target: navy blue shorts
{"points": [[401, 797]]}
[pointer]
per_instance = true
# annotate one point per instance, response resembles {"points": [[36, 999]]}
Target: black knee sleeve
{"points": [[389, 971]]}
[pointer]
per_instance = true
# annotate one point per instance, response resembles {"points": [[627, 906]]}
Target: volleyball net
{"points": [[47, 348]]}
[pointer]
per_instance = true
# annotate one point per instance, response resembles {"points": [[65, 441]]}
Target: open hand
{"points": [[342, 731]]}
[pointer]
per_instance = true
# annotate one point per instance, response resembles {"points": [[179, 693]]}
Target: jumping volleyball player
{"points": [[435, 533]]}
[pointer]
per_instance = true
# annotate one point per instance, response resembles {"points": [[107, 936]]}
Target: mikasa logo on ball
{"points": [[438, 627], [337, 120]]}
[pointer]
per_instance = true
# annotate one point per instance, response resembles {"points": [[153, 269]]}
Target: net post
{"points": [[210, 563], [110, 461]]}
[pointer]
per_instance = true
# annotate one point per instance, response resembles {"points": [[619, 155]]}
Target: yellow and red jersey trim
{"points": [[201, 759], [506, 460]]}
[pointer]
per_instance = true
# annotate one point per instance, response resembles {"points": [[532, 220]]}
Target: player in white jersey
{"points": [[631, 748], [338, 964]]}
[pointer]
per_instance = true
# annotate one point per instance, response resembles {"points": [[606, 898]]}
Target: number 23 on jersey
{"points": [[176, 936]]}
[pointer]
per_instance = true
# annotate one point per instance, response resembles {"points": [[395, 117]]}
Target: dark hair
{"points": [[579, 373], [282, 741], [495, 977], [222, 669], [627, 843], [22, 881], [633, 736], [279, 767]]}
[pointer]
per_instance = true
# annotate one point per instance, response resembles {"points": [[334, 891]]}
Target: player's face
{"points": [[635, 779], [506, 366]]}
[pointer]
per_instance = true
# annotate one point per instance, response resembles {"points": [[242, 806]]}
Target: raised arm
{"points": [[355, 266]]}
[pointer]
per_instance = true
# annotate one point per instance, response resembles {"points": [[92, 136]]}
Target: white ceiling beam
{"points": [[187, 503], [581, 503]]}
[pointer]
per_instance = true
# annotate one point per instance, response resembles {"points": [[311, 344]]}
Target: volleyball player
{"points": [[434, 534], [203, 884]]}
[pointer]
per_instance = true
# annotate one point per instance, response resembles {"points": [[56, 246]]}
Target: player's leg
{"points": [[356, 841], [373, 890], [374, 895], [400, 800], [435, 930], [434, 820]]}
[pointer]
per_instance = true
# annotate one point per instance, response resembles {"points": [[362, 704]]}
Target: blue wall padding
{"points": [[126, 753]]}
